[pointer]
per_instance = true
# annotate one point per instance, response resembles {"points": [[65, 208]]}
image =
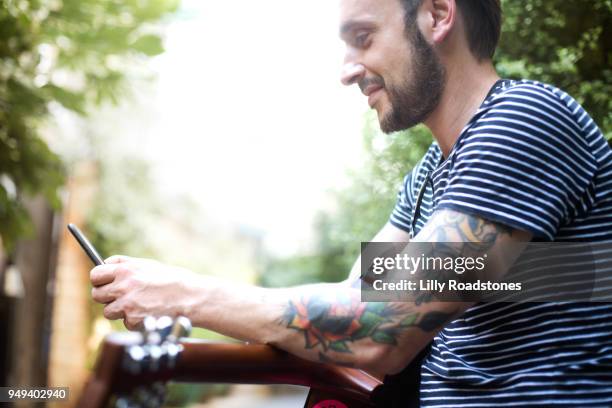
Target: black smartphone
{"points": [[85, 244]]}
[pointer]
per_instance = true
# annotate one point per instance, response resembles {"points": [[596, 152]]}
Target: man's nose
{"points": [[352, 73]]}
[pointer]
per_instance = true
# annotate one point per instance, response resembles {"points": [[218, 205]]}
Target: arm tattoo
{"points": [[333, 323], [453, 226], [457, 234]]}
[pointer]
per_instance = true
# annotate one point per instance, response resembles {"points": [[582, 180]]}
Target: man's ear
{"points": [[437, 18]]}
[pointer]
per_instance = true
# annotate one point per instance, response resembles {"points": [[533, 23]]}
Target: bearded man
{"points": [[513, 161]]}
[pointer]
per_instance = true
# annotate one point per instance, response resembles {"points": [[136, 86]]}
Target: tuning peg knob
{"points": [[134, 358], [149, 324], [180, 328], [149, 331], [164, 327]]}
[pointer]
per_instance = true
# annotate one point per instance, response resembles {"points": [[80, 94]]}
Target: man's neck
{"points": [[467, 86]]}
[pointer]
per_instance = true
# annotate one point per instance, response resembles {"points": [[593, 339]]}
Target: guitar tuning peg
{"points": [[164, 327], [172, 352], [159, 390], [134, 358], [149, 332], [147, 397], [125, 402], [180, 328], [156, 353], [149, 323]]}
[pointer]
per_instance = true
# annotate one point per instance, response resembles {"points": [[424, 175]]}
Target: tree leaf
{"points": [[70, 100], [149, 45]]}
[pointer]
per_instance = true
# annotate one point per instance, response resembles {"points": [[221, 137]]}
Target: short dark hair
{"points": [[482, 19]]}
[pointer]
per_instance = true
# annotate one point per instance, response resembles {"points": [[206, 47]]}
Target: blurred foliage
{"points": [[561, 42], [564, 43], [186, 394], [126, 202], [70, 52], [127, 216], [361, 210]]}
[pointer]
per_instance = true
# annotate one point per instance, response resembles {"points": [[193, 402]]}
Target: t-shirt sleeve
{"points": [[401, 217], [523, 163]]}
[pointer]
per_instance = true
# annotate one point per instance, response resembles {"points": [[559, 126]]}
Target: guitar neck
{"points": [[214, 362], [261, 364]]}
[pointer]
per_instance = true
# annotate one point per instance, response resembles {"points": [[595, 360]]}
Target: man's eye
{"points": [[362, 39]]}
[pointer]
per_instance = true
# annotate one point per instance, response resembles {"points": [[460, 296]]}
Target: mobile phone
{"points": [[85, 244]]}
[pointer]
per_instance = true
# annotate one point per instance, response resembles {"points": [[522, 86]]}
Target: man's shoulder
{"points": [[529, 108], [508, 86], [513, 94]]}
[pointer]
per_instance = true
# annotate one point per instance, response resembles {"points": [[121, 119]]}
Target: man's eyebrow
{"points": [[353, 25]]}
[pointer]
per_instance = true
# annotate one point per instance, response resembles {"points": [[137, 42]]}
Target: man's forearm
{"points": [[324, 322]]}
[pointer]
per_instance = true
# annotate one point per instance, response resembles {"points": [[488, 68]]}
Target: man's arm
{"points": [[388, 233], [324, 322]]}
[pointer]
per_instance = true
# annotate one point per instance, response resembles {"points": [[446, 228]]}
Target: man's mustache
{"points": [[366, 82]]}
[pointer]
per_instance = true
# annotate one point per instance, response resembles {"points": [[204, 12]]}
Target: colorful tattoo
{"points": [[453, 226], [332, 323], [456, 234]]}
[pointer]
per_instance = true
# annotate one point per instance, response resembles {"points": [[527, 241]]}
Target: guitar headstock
{"points": [[133, 367]]}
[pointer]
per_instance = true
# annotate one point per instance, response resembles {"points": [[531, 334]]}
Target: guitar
{"points": [[133, 368]]}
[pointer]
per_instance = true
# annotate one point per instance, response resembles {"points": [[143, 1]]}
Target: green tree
{"points": [[73, 53], [564, 43]]}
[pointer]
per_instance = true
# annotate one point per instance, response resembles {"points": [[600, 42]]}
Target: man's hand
{"points": [[133, 288]]}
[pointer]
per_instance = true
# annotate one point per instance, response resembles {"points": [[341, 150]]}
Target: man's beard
{"points": [[419, 95]]}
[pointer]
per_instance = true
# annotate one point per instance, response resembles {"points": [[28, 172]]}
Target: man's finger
{"points": [[102, 275], [102, 295], [115, 259], [132, 324], [112, 311]]}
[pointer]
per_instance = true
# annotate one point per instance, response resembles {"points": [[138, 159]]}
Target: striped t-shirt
{"points": [[531, 158]]}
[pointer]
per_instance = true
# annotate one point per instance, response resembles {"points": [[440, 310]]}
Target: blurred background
{"points": [[214, 135]]}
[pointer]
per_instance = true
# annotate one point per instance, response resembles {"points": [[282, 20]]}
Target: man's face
{"points": [[396, 68]]}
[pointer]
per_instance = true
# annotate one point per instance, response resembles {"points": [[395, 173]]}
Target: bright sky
{"points": [[251, 118]]}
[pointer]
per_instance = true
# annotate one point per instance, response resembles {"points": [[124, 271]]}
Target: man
{"points": [[512, 162]]}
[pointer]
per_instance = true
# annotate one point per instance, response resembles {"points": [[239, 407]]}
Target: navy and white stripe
{"points": [[531, 158]]}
